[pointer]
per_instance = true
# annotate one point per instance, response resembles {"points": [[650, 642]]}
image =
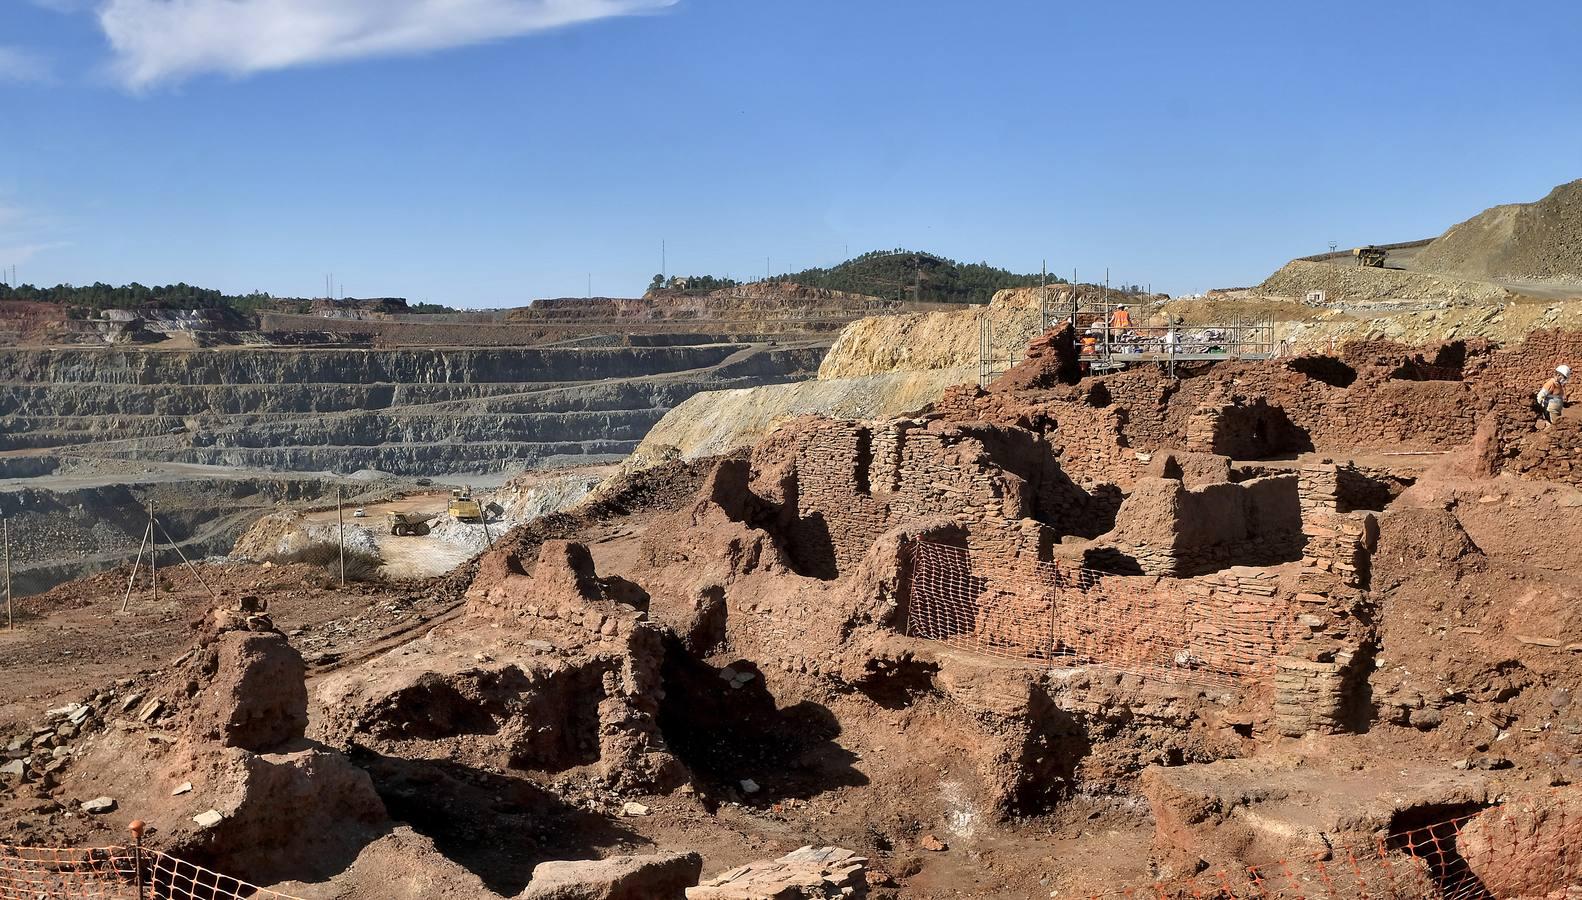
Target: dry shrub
{"points": [[360, 564]]}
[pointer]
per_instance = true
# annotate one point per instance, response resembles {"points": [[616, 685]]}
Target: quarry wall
{"points": [[406, 411], [716, 422]]}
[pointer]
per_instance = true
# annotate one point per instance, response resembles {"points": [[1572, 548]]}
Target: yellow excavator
{"points": [[463, 508]]}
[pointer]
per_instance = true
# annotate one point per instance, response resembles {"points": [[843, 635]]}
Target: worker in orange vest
{"points": [[1120, 318]]}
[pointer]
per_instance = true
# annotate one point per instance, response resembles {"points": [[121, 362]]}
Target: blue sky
{"points": [[485, 152]]}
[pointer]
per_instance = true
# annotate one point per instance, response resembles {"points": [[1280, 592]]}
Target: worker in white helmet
{"points": [[1552, 396]]}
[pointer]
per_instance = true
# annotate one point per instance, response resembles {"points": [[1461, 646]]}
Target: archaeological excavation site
{"points": [[779, 592]]}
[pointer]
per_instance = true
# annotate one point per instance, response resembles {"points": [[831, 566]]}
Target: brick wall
{"points": [[844, 482]]}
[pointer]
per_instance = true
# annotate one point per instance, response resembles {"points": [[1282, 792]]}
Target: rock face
{"points": [[215, 761], [811, 873], [660, 876], [917, 342], [714, 423]]}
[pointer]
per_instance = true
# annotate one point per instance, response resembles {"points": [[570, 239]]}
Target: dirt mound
{"points": [[1541, 240], [1343, 283], [277, 536]]}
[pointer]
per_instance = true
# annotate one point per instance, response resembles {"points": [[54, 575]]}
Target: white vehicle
{"points": [[359, 513]]}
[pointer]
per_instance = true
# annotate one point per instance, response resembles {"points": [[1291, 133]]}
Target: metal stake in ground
{"points": [[5, 526], [136, 828], [340, 532], [153, 551], [132, 579]]}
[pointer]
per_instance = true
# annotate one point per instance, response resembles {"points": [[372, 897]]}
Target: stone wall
{"points": [[1319, 680], [1554, 454]]}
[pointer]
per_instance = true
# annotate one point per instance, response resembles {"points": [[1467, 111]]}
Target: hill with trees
{"points": [[99, 296], [892, 274]]}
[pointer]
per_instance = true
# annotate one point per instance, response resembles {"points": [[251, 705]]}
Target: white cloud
{"points": [[162, 41], [22, 65]]}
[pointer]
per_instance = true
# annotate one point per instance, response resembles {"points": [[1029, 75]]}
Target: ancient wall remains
{"points": [[845, 482], [1319, 680], [1217, 629], [1167, 528], [1554, 454]]}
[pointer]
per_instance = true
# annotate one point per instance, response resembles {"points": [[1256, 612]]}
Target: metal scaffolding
{"points": [[1107, 341]]}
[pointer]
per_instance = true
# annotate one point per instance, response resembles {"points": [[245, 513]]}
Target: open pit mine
{"points": [[902, 606]]}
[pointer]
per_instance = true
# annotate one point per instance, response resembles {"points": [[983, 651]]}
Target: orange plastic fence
{"points": [[1061, 614], [1517, 850], [1528, 848], [33, 873]]}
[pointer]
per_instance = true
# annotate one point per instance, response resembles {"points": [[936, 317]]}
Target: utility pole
{"points": [[1330, 280], [664, 264], [1043, 297]]}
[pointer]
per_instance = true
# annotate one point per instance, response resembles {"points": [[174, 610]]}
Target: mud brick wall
{"points": [[1089, 439], [1554, 454], [1413, 414], [1339, 549], [1146, 398], [1246, 619], [1511, 377], [1244, 429], [1230, 625], [1320, 679], [1166, 528], [1310, 696], [852, 481]]}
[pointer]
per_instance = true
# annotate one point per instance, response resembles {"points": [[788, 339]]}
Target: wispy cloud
{"points": [[164, 41], [20, 254], [24, 235], [22, 65]]}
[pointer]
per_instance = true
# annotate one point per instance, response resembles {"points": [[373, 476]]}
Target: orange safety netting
{"points": [[1505, 852], [1062, 614], [33, 873]]}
